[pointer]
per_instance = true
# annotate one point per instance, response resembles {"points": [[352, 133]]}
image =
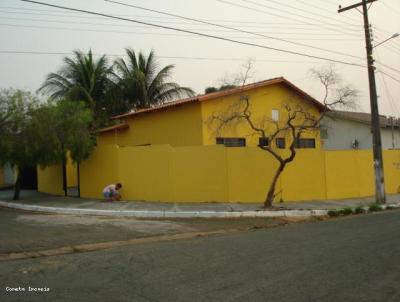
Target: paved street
{"points": [[346, 259], [30, 231]]}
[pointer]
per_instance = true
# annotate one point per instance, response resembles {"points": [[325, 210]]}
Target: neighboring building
{"points": [[7, 176], [188, 122], [344, 130]]}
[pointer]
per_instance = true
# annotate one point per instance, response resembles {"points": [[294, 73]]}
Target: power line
{"points": [[197, 33], [391, 8], [307, 11], [71, 15], [130, 26], [392, 49], [331, 28], [390, 76], [387, 66], [234, 29], [392, 104], [255, 24], [137, 33], [391, 44], [384, 34], [324, 9], [158, 56]]}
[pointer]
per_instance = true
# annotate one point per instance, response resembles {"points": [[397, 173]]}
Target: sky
{"points": [[36, 38]]}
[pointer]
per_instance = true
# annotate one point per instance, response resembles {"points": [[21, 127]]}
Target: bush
{"points": [[391, 207], [346, 211], [359, 210], [333, 213], [375, 208]]}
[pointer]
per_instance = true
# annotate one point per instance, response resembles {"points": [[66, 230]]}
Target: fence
{"points": [[219, 174]]}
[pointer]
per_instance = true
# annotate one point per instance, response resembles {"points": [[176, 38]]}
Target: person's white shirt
{"points": [[110, 188]]}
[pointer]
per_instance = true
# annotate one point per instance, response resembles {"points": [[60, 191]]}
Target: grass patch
{"points": [[375, 208], [359, 210], [346, 211], [333, 213]]}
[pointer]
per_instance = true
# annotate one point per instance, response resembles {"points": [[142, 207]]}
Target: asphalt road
{"points": [[345, 259], [23, 231]]}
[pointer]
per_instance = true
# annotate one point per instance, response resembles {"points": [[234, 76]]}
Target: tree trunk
{"points": [[17, 185], [64, 176], [271, 191], [79, 179]]}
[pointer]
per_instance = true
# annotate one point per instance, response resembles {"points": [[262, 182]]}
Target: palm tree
{"points": [[140, 85], [81, 78]]}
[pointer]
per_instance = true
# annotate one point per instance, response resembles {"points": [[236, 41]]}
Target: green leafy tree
{"points": [[15, 109], [212, 89], [41, 134], [82, 78], [59, 129], [141, 84], [14, 105]]}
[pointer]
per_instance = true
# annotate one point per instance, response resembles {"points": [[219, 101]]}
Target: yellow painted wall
{"points": [[110, 137], [50, 180], [99, 171], [177, 126], [262, 101], [144, 172], [250, 171], [365, 172], [391, 160], [199, 174], [216, 173], [304, 179], [342, 178]]}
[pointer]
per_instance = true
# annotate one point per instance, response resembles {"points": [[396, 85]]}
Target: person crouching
{"points": [[111, 192]]}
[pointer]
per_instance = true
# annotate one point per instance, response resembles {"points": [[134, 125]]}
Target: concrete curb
{"points": [[165, 214], [176, 214]]}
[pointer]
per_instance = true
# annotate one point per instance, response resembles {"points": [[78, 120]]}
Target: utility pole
{"points": [[376, 131], [392, 123]]}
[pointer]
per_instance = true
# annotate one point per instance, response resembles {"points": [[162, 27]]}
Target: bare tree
{"points": [[296, 121]]}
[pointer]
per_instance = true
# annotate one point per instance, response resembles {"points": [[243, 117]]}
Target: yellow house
{"points": [[191, 121], [175, 153]]}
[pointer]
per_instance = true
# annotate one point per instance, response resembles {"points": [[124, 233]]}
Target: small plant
{"points": [[359, 210], [375, 208], [333, 213], [346, 211]]}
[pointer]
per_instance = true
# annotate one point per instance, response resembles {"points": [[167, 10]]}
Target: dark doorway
{"points": [[29, 178]]}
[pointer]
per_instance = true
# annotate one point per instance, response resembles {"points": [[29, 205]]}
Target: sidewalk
{"points": [[34, 201]]}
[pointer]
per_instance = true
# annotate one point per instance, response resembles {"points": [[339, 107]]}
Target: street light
{"points": [[392, 37]]}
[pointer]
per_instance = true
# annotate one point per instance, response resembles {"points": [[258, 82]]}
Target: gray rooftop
{"points": [[362, 117]]}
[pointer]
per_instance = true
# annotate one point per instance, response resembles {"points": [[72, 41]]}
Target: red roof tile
{"points": [[224, 93], [113, 128]]}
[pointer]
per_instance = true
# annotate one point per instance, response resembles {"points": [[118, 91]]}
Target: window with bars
{"points": [[263, 141], [231, 141], [305, 143]]}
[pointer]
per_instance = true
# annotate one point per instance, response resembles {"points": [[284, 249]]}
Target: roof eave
{"points": [[119, 127]]}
